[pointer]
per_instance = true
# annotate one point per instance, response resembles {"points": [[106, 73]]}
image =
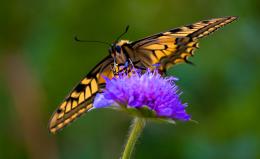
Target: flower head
{"points": [[149, 90]]}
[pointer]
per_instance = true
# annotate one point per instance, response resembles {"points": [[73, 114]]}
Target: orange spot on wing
{"points": [[87, 93], [74, 94], [74, 104], [60, 115], [159, 54], [85, 81], [89, 106], [94, 86], [81, 98], [178, 60], [68, 106]]}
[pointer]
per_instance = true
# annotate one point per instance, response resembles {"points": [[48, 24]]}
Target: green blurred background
{"points": [[40, 63]]}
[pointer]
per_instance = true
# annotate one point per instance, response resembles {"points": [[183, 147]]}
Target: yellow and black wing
{"points": [[174, 46], [81, 97]]}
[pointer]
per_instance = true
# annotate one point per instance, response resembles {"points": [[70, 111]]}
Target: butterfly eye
{"points": [[118, 49]]}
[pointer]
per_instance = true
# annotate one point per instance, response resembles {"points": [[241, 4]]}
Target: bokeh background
{"points": [[40, 63]]}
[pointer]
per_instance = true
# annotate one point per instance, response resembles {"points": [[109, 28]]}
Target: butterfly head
{"points": [[116, 48]]}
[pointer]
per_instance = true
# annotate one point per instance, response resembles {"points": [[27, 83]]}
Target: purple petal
{"points": [[148, 89]]}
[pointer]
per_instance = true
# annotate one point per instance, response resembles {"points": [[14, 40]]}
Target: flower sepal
{"points": [[144, 112]]}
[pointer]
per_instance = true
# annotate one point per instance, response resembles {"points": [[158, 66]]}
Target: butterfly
{"points": [[165, 48]]}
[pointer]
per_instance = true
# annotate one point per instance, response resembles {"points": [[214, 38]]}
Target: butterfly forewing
{"points": [[81, 97], [202, 28], [176, 45]]}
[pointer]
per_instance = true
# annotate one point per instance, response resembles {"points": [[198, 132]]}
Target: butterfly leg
{"points": [[115, 67], [132, 68]]}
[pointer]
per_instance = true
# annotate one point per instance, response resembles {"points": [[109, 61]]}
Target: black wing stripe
{"points": [[214, 26]]}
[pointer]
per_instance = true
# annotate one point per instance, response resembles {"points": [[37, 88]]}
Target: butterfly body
{"points": [[164, 49], [119, 55]]}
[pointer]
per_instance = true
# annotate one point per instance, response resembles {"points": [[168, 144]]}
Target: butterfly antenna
{"points": [[91, 41], [126, 30]]}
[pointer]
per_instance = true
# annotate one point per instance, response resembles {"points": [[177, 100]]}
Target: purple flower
{"points": [[149, 90]]}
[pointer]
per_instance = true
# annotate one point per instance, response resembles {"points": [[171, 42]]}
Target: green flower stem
{"points": [[134, 133]]}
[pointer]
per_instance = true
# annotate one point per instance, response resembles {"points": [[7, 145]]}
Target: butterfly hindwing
{"points": [[176, 45], [81, 97]]}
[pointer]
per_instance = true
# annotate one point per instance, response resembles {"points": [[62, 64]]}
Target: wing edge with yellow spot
{"points": [[80, 99]]}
